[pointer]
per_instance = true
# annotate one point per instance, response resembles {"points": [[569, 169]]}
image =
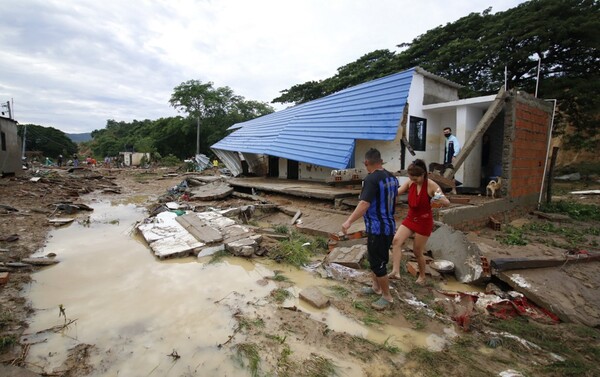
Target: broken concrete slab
{"points": [[313, 296], [323, 223], [211, 191], [348, 256], [570, 292], [167, 238], [244, 247], [449, 244], [199, 228]]}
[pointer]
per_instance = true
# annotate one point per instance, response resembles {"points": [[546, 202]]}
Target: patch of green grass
{"points": [[390, 347], [278, 277], [321, 243], [5, 318], [422, 356], [280, 295], [292, 252], [7, 341], [254, 223], [362, 306], [277, 338], [415, 318], [282, 229], [570, 367], [285, 366], [247, 323], [578, 211], [218, 256], [249, 352], [370, 320], [318, 366], [513, 236], [339, 291]]}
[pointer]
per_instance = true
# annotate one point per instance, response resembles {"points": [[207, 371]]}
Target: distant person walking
{"points": [[452, 147], [377, 205], [75, 160], [423, 193], [59, 160]]}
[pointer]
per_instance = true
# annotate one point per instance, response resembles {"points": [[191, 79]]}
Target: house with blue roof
{"points": [[397, 114]]}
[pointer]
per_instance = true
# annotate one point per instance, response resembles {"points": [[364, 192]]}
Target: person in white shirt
{"points": [[452, 147]]}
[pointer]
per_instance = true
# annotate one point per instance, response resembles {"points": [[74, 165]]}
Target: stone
{"points": [[313, 296], [348, 256]]}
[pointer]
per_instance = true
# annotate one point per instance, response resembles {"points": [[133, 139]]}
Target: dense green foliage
{"points": [[474, 51], [48, 140], [217, 110]]}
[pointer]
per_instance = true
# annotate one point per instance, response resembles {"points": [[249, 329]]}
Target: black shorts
{"points": [[378, 246]]}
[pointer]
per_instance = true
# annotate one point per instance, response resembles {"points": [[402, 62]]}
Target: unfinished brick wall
{"points": [[526, 144]]}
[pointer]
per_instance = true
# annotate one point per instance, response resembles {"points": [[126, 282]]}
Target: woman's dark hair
{"points": [[417, 168]]}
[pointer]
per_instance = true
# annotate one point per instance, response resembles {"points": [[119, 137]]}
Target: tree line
{"points": [[474, 51]]}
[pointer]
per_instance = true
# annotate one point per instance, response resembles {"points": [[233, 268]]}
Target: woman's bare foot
{"points": [[421, 281], [394, 275]]}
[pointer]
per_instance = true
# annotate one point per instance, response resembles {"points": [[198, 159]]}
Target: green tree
{"points": [[475, 50], [48, 140], [200, 101]]}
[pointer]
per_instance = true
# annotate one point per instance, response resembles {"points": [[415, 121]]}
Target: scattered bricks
{"points": [[495, 224], [313, 296], [485, 265], [3, 278], [348, 256], [412, 268]]}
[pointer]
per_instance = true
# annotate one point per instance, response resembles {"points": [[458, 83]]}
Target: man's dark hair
{"points": [[448, 128], [373, 156]]}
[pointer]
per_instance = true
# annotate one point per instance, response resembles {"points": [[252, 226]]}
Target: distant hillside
{"points": [[78, 138]]}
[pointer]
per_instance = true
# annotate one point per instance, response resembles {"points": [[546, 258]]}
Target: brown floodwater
{"points": [[136, 310]]}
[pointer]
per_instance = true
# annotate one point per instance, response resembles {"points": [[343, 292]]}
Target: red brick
{"points": [[3, 278]]}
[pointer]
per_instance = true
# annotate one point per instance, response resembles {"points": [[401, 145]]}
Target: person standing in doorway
{"points": [[452, 147], [423, 194], [377, 205]]}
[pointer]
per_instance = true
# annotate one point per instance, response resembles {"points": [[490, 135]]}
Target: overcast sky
{"points": [[73, 64]]}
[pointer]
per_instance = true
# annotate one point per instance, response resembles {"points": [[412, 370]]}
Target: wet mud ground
{"points": [[259, 336]]}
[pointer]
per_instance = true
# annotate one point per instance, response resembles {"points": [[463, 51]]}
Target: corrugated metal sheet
{"points": [[324, 131]]}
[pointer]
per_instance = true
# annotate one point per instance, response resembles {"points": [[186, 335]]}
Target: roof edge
{"points": [[435, 77]]}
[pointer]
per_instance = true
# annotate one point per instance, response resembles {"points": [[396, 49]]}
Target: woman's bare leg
{"points": [[419, 250], [400, 237]]}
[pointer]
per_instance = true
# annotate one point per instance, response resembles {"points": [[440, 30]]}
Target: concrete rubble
{"points": [[452, 245], [198, 233]]}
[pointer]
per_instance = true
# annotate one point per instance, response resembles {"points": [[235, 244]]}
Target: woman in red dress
{"points": [[423, 194]]}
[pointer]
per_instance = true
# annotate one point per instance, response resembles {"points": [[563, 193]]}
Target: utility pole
{"points": [[198, 135]]}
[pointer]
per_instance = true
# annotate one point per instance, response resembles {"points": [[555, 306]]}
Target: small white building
{"points": [[134, 158]]}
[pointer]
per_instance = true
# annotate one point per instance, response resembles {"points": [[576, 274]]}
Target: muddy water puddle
{"points": [[136, 310]]}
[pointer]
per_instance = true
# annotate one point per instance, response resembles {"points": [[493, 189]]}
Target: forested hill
{"points": [[474, 51], [78, 138]]}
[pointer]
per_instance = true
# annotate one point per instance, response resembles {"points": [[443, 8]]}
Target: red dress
{"points": [[420, 216]]}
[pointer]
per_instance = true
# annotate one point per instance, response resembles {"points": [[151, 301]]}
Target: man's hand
{"points": [[346, 226]]}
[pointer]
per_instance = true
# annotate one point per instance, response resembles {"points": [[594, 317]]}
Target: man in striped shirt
{"points": [[377, 204]]}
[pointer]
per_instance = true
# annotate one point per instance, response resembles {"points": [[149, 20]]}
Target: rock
{"points": [[14, 371], [39, 261], [449, 244], [569, 177], [313, 296], [348, 256]]}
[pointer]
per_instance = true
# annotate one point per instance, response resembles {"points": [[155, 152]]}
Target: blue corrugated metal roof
{"points": [[324, 131]]}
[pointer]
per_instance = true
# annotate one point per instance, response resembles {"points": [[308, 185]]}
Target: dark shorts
{"points": [[378, 247]]}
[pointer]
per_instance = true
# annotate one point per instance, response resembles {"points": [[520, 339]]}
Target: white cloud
{"points": [[74, 64]]}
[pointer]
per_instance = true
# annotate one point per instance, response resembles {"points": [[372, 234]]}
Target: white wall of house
{"points": [[311, 172]]}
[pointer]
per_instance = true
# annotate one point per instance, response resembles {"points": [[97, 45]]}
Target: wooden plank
{"points": [[199, 228], [487, 119]]}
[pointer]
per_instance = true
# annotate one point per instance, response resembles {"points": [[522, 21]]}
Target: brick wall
{"points": [[529, 125]]}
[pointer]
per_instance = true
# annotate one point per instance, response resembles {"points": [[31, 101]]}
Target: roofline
{"points": [[440, 79]]}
